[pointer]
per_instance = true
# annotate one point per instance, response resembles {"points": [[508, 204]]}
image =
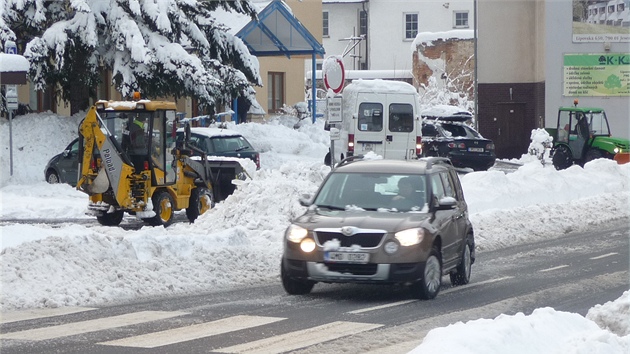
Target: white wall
{"points": [[559, 41], [387, 47], [343, 20]]}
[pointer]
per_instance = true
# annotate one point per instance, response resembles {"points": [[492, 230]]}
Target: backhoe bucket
{"points": [[622, 158]]}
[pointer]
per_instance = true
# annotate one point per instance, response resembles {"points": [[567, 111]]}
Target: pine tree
{"points": [[158, 47]]}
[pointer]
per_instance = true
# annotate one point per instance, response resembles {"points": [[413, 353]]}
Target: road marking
{"points": [[71, 329], [471, 285], [183, 334], [398, 303], [16, 316], [300, 339], [554, 268], [604, 255]]}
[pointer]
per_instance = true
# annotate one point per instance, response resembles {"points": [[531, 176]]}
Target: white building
{"points": [[388, 29]]}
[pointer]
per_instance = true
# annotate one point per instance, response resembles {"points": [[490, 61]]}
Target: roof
{"points": [[385, 166], [278, 32]]}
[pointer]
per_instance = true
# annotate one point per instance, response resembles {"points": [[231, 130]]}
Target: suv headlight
{"points": [[410, 237], [295, 233]]}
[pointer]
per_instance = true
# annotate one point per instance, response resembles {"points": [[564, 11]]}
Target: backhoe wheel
{"points": [[201, 200], [163, 208], [111, 219], [562, 158]]}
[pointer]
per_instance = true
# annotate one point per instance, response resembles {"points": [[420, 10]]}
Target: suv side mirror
{"points": [[446, 203], [305, 200]]}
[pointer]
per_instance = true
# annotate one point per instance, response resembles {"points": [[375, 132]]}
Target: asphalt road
{"points": [[572, 273]]}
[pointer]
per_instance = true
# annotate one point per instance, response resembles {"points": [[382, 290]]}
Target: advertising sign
{"points": [[601, 21], [605, 74]]}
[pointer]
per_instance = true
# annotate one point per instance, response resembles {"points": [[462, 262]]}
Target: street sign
{"points": [[334, 109], [334, 74], [12, 97], [335, 134], [10, 47]]}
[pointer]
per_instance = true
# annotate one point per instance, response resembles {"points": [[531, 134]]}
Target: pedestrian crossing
{"points": [[275, 344]]}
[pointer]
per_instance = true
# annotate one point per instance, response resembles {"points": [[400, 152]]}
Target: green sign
{"points": [[596, 74]]}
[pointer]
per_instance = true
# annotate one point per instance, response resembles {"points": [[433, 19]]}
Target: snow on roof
{"points": [[369, 74], [13, 63], [442, 110], [378, 85], [213, 132], [427, 38]]}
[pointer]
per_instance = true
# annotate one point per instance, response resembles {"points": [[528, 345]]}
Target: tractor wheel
{"points": [[562, 158], [201, 200], [111, 219], [593, 154], [163, 208]]}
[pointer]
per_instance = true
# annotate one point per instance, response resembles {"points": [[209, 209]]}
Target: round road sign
{"points": [[334, 74]]}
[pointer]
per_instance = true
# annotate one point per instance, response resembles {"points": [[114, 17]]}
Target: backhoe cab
{"points": [[582, 134], [130, 161]]}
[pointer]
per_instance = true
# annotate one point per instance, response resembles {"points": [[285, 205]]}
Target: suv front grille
{"points": [[366, 240], [356, 269]]}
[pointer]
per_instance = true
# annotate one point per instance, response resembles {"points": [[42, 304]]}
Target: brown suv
{"points": [[382, 221]]}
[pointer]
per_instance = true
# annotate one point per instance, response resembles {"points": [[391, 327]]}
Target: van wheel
{"points": [[163, 208], [201, 200], [111, 219]]}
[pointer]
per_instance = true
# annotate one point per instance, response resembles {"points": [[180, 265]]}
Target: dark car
{"points": [[382, 222], [63, 167], [221, 142], [451, 137]]}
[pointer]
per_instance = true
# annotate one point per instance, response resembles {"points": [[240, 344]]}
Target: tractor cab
{"points": [[583, 134]]}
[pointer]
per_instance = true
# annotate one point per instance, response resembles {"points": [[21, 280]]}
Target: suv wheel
{"points": [[429, 286], [293, 286], [462, 272]]}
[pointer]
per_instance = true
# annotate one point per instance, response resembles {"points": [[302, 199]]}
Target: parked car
{"points": [[221, 142], [451, 137], [361, 227], [63, 167]]}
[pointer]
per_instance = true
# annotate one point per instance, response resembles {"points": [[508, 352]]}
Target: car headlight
{"points": [[295, 233], [410, 237]]}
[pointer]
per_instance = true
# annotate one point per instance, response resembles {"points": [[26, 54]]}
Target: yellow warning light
{"points": [[575, 102], [136, 96]]}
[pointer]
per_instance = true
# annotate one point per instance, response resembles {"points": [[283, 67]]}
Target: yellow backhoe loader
{"points": [[131, 161]]}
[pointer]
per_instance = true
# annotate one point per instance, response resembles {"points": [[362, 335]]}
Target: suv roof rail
{"points": [[348, 160], [431, 161]]}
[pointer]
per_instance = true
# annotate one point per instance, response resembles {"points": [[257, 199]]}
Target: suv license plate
{"points": [[475, 149], [346, 257], [367, 147]]}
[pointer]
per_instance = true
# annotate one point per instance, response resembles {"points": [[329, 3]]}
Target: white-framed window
{"points": [[411, 25], [460, 19], [325, 24]]}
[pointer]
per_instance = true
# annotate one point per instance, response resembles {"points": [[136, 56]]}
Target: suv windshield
{"points": [[392, 192]]}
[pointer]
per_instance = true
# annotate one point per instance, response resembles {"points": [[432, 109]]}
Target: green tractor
{"points": [[582, 135]]}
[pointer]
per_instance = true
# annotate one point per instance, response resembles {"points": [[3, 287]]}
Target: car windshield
{"points": [[373, 191], [227, 144]]}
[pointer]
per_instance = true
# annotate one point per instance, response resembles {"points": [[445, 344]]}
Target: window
{"points": [[275, 91], [460, 19], [411, 25], [363, 23], [370, 117], [400, 118], [325, 24]]}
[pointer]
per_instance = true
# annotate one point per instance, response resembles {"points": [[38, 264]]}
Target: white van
{"points": [[381, 116]]}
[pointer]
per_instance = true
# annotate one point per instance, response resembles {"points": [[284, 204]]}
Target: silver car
{"points": [[384, 222]]}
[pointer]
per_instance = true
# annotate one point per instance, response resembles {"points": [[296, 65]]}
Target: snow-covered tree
{"points": [[158, 47]]}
